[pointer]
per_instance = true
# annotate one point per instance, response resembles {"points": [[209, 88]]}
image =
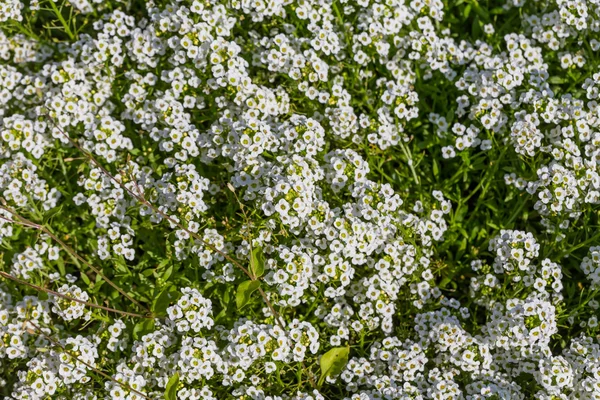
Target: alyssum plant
{"points": [[314, 199]]}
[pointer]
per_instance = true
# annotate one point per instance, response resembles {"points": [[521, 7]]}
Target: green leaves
{"points": [[244, 292], [171, 389], [333, 362], [257, 269]]}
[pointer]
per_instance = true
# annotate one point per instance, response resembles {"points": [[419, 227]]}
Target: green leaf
{"points": [[121, 267], [257, 262], [227, 315], [86, 279], [168, 273], [148, 272], [163, 263], [171, 389], [466, 11], [450, 114], [61, 266], [244, 292], [226, 298], [162, 302], [448, 281], [48, 215], [482, 12], [476, 28], [333, 362], [556, 80], [143, 327]]}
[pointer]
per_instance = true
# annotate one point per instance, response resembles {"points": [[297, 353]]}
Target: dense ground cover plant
{"points": [[373, 199]]}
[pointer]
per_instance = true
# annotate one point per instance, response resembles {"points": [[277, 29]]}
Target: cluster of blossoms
{"points": [[68, 307], [591, 266], [516, 262], [192, 312], [32, 258], [223, 165]]}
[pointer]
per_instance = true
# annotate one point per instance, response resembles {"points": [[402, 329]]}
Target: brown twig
{"points": [[91, 367], [27, 223], [87, 303]]}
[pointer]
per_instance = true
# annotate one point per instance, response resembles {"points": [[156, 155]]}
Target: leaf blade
{"points": [[257, 262], [333, 362], [244, 292], [171, 388]]}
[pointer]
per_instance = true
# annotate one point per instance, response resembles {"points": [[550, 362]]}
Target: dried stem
{"points": [[87, 303], [27, 223]]}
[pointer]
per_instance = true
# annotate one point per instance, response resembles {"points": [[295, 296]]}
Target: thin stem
{"points": [[25, 31], [62, 20], [410, 162], [580, 245], [52, 292], [25, 222]]}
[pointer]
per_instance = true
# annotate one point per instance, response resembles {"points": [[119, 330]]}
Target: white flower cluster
{"points": [[10, 10], [32, 260], [192, 312], [590, 265], [71, 309], [510, 95], [19, 181], [515, 261]]}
